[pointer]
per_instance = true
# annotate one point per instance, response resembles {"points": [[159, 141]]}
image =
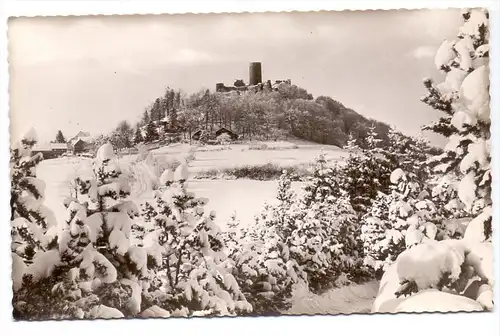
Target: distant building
{"points": [[255, 84], [197, 135], [224, 130], [50, 150], [80, 143], [81, 146], [212, 135]]}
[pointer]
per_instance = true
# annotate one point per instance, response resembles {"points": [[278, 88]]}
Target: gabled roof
{"points": [[74, 140], [79, 141], [82, 134]]}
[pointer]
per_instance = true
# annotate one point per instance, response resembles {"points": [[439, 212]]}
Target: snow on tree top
{"points": [[167, 176], [477, 19], [445, 54], [482, 50], [461, 118], [436, 258], [105, 152], [181, 173], [474, 93], [397, 175], [31, 135]]}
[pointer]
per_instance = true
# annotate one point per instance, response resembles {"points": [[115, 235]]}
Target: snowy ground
{"points": [[218, 157], [345, 300], [245, 197]]}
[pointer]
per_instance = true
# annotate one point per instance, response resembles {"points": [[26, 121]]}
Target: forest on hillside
{"points": [[288, 111]]}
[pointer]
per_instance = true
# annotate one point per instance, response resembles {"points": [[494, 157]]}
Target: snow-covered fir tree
{"points": [[461, 266], [34, 241], [464, 100], [151, 132], [96, 271], [33, 224], [366, 172], [322, 182], [319, 230], [261, 258], [407, 153], [138, 138], [187, 248], [397, 221], [264, 269], [100, 234]]}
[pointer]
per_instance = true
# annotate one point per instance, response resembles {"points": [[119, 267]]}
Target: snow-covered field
{"points": [[218, 157], [240, 155], [244, 197]]}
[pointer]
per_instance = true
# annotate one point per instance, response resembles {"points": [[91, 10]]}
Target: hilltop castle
{"points": [[255, 82]]}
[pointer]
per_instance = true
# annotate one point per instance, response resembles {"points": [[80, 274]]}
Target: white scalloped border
{"points": [[402, 324]]}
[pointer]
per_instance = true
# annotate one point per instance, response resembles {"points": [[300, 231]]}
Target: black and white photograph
{"points": [[250, 164]]}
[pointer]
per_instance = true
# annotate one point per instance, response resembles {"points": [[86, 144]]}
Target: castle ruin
{"points": [[255, 82]]}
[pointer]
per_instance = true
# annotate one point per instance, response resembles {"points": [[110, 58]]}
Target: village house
{"points": [[80, 143], [199, 134], [50, 150]]}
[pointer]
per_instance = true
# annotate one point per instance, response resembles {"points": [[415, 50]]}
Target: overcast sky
{"points": [[88, 73]]}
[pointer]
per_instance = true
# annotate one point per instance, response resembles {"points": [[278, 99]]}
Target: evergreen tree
{"points": [[173, 120], [397, 221], [407, 153], [187, 246], [138, 138], [97, 239], [464, 100], [33, 224], [60, 137], [145, 118], [322, 182], [366, 172], [93, 270], [156, 110], [452, 265], [151, 133], [318, 231], [41, 288]]}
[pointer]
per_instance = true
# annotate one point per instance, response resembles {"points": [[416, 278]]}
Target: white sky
{"points": [[88, 73]]}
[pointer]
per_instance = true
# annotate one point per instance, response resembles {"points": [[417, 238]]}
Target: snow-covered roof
{"points": [[86, 139], [48, 146], [44, 146], [59, 146], [82, 134], [74, 140]]}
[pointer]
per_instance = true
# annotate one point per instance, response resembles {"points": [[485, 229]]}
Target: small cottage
{"points": [[224, 130], [81, 146], [50, 150], [80, 143], [197, 135]]}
